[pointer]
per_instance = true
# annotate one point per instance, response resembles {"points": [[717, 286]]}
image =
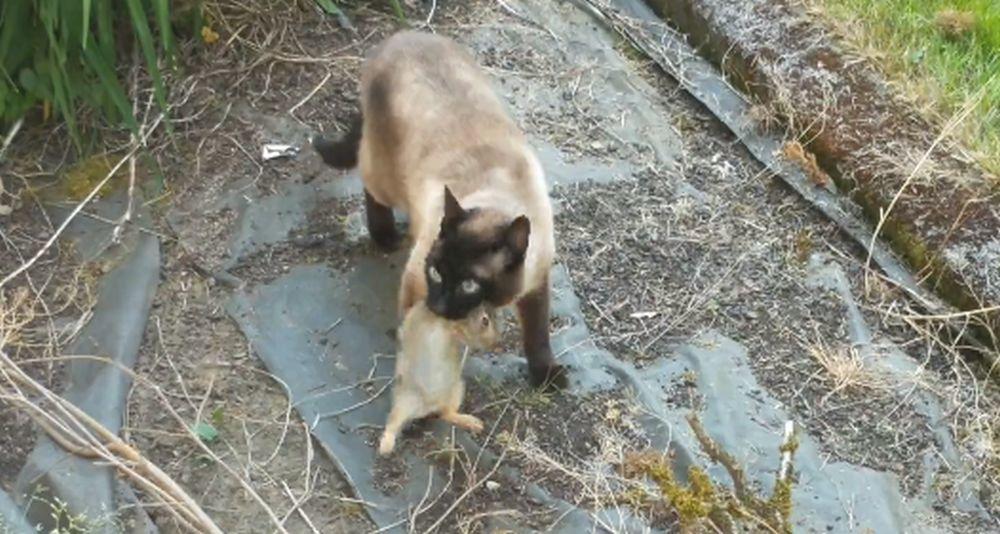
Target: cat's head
{"points": [[478, 258]]}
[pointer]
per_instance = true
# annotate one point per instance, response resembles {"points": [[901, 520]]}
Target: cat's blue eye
{"points": [[470, 286], [434, 275]]}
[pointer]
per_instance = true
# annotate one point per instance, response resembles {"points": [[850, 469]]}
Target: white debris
{"points": [[274, 151]]}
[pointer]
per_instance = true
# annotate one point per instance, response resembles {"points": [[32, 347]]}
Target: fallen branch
{"points": [[773, 513], [173, 413]]}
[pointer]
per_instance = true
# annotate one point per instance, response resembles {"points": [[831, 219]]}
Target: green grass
{"points": [[62, 57], [941, 70]]}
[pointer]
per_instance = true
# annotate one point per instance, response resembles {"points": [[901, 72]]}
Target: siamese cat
{"points": [[435, 141], [428, 378]]}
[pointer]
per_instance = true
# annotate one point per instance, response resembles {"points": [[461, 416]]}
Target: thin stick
{"points": [[311, 93], [352, 407], [170, 409], [786, 451], [430, 16], [474, 487], [297, 508], [10, 137], [111, 447], [126, 217]]}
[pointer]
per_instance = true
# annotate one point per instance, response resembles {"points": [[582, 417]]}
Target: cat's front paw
{"points": [[549, 377]]}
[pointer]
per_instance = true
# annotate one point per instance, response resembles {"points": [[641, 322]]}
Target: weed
{"points": [[845, 368], [63, 521], [804, 246], [702, 503], [692, 503]]}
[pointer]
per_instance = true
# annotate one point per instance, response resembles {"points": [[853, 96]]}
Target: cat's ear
{"points": [[453, 211], [517, 235]]}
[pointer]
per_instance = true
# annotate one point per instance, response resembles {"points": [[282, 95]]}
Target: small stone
{"points": [[492, 485]]}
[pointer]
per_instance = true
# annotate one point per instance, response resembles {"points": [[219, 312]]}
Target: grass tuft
{"points": [[845, 368]]}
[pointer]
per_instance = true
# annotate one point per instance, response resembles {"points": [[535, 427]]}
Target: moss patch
{"points": [[703, 505]]}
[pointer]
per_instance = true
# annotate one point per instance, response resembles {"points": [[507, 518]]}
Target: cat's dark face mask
{"points": [[478, 257]]}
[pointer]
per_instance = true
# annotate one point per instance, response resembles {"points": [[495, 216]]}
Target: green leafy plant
{"points": [[331, 7], [63, 55], [206, 432]]}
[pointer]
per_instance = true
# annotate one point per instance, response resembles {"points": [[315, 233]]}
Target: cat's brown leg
{"points": [[533, 312], [381, 223], [413, 283]]}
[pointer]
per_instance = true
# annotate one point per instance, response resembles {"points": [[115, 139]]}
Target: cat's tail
{"points": [[342, 153]]}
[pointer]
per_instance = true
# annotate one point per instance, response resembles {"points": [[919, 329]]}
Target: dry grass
{"points": [[794, 152], [955, 24], [69, 426], [845, 368]]}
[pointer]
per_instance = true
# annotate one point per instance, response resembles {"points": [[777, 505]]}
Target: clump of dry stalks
{"points": [[846, 368], [955, 24], [794, 152]]}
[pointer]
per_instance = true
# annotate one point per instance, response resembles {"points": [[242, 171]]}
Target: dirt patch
{"points": [[757, 295], [40, 312], [200, 360]]}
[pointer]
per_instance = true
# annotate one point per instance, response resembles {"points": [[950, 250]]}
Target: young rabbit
{"points": [[429, 368]]}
